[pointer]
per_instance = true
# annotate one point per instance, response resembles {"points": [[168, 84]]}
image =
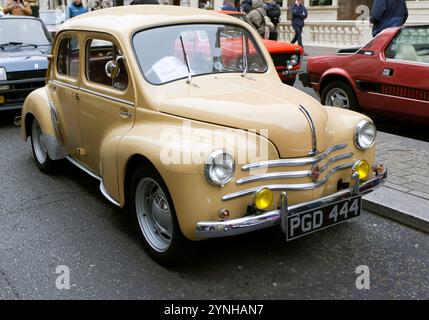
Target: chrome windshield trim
{"points": [[307, 114], [289, 187], [293, 162]]}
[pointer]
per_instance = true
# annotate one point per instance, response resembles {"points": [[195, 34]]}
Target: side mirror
{"points": [[112, 68]]}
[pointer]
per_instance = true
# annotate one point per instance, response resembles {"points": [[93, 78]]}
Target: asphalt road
{"points": [[46, 221]]}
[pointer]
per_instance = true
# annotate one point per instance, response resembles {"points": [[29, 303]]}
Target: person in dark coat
{"points": [[228, 6], [387, 14], [299, 14], [246, 6], [274, 13]]}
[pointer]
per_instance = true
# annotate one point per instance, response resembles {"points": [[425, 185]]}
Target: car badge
{"points": [[315, 173], [36, 66]]}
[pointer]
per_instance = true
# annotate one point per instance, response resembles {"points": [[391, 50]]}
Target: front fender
{"points": [[338, 72], [37, 106], [164, 142]]}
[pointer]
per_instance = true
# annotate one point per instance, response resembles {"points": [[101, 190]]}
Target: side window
{"points": [[68, 57], [104, 64], [411, 44]]}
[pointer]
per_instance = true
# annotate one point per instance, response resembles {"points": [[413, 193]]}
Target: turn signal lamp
{"points": [[363, 168], [263, 199]]}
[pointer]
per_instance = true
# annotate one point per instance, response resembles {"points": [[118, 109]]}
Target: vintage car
{"points": [[24, 45], [388, 76], [193, 143], [287, 57]]}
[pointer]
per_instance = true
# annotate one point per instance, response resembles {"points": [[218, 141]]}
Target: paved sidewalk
{"points": [[405, 196]]}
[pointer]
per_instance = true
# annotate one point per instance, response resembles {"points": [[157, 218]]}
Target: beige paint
{"points": [[223, 101]]}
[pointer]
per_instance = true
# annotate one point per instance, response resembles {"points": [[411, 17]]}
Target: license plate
{"points": [[1, 99], [302, 224]]}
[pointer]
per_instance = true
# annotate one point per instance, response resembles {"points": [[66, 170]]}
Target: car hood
{"points": [[269, 107], [281, 47], [23, 60]]}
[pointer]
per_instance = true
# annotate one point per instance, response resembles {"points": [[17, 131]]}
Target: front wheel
{"points": [[40, 153], [341, 95], [155, 218]]}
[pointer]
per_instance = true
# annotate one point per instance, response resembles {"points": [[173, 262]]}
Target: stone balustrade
{"points": [[338, 34]]}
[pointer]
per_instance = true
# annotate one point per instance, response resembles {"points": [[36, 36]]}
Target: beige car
{"points": [[181, 116]]}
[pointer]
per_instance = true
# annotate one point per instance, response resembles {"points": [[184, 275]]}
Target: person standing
{"points": [[387, 14], [18, 8], [246, 6], [273, 12], [299, 14], [257, 17], [76, 8], [228, 6]]}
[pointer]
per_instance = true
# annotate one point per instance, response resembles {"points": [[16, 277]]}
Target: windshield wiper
{"points": [[245, 66], [189, 81], [11, 43]]}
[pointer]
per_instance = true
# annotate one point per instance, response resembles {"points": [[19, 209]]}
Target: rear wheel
{"points": [[40, 153], [341, 95], [155, 218]]}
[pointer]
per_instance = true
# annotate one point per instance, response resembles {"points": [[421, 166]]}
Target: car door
{"points": [[106, 103], [405, 73], [63, 89]]}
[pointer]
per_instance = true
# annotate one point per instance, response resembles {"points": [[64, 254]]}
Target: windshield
{"points": [[26, 31], [210, 49]]}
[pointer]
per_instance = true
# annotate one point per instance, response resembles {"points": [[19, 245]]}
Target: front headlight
{"points": [[3, 75], [365, 135], [219, 168], [294, 60]]}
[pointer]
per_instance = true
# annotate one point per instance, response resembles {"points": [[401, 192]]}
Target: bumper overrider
{"points": [[218, 229]]}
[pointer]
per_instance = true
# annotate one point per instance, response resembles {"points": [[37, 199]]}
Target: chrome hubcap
{"points": [[38, 143], [337, 98], [154, 214]]}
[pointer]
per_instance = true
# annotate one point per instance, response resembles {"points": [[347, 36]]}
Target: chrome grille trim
{"points": [[275, 175], [293, 174], [290, 187], [293, 162], [307, 115]]}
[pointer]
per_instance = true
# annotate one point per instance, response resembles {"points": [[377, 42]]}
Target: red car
{"points": [[287, 57], [388, 76]]}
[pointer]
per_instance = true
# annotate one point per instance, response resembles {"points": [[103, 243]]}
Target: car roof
{"points": [[126, 20], [238, 13]]}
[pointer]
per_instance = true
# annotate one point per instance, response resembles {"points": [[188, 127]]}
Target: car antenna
{"points": [[189, 81], [244, 48]]}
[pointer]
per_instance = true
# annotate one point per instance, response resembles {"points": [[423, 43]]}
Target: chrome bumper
{"points": [[227, 228], [289, 73]]}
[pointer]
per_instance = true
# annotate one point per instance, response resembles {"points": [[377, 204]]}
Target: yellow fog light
{"points": [[263, 199], [363, 168]]}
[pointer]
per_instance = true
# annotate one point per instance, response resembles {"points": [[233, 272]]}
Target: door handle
{"points": [[387, 72], [125, 114], [53, 88], [77, 96]]}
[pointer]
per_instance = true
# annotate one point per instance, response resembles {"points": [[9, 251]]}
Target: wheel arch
{"points": [[336, 75], [36, 106]]}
